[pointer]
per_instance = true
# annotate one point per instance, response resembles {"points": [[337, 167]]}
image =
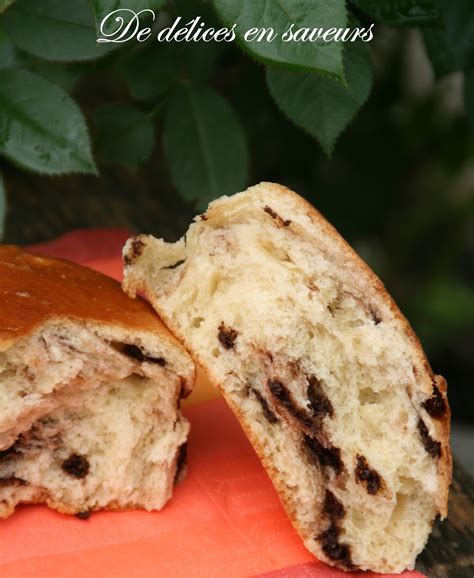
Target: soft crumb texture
{"points": [[323, 371], [89, 397]]}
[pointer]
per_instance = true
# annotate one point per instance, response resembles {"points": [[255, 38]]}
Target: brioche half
{"points": [[90, 383], [323, 371]]}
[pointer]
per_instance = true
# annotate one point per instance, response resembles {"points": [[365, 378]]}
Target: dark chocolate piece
{"points": [[431, 446], [274, 215], [10, 452], [12, 481], [136, 250], [84, 515], [368, 476], [332, 507], [137, 353], [76, 466], [375, 316], [137, 247], [326, 457], [329, 539], [183, 388], [226, 336], [267, 412], [333, 549], [318, 400], [181, 461], [174, 265], [435, 405], [283, 396]]}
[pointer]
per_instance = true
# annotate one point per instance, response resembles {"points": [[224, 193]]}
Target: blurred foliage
{"points": [[124, 134], [204, 119], [402, 12]]}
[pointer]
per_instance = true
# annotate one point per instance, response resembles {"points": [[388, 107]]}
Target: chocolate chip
{"points": [[9, 453], [76, 466], [326, 457], [137, 353], [332, 507], [282, 396], [270, 211], [137, 247], [226, 336], [318, 400], [375, 316], [181, 460], [435, 405], [431, 446], [12, 481], [184, 391], [83, 515], [368, 476], [333, 549], [274, 215], [135, 251], [267, 412], [174, 265]]}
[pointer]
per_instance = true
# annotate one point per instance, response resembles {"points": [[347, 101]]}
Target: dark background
{"points": [[399, 188]]}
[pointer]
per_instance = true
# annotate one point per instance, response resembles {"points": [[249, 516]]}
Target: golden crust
{"points": [[34, 289], [132, 284]]}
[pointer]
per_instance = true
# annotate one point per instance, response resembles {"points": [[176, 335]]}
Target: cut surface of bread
{"points": [[90, 385], [325, 374]]}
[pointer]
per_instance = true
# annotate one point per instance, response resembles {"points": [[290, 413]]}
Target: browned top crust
{"points": [[34, 288]]}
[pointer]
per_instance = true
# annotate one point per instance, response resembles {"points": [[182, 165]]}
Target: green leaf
{"points": [[151, 71], [54, 29], [125, 134], [4, 4], [63, 73], [402, 12], [204, 144], [41, 128], [323, 106], [8, 57], [319, 56], [102, 8], [3, 207], [452, 48]]}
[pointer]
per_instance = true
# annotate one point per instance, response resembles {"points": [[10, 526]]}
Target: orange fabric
{"points": [[224, 520]]}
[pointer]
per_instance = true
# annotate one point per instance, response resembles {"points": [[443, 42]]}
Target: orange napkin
{"points": [[224, 520]]}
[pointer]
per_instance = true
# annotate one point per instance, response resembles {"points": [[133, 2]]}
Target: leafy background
{"points": [[144, 135]]}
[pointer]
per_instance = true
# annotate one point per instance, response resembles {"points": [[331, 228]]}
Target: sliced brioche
{"points": [[90, 383], [325, 374]]}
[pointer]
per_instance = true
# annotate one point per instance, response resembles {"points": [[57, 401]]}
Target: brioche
{"points": [[90, 383], [323, 371]]}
